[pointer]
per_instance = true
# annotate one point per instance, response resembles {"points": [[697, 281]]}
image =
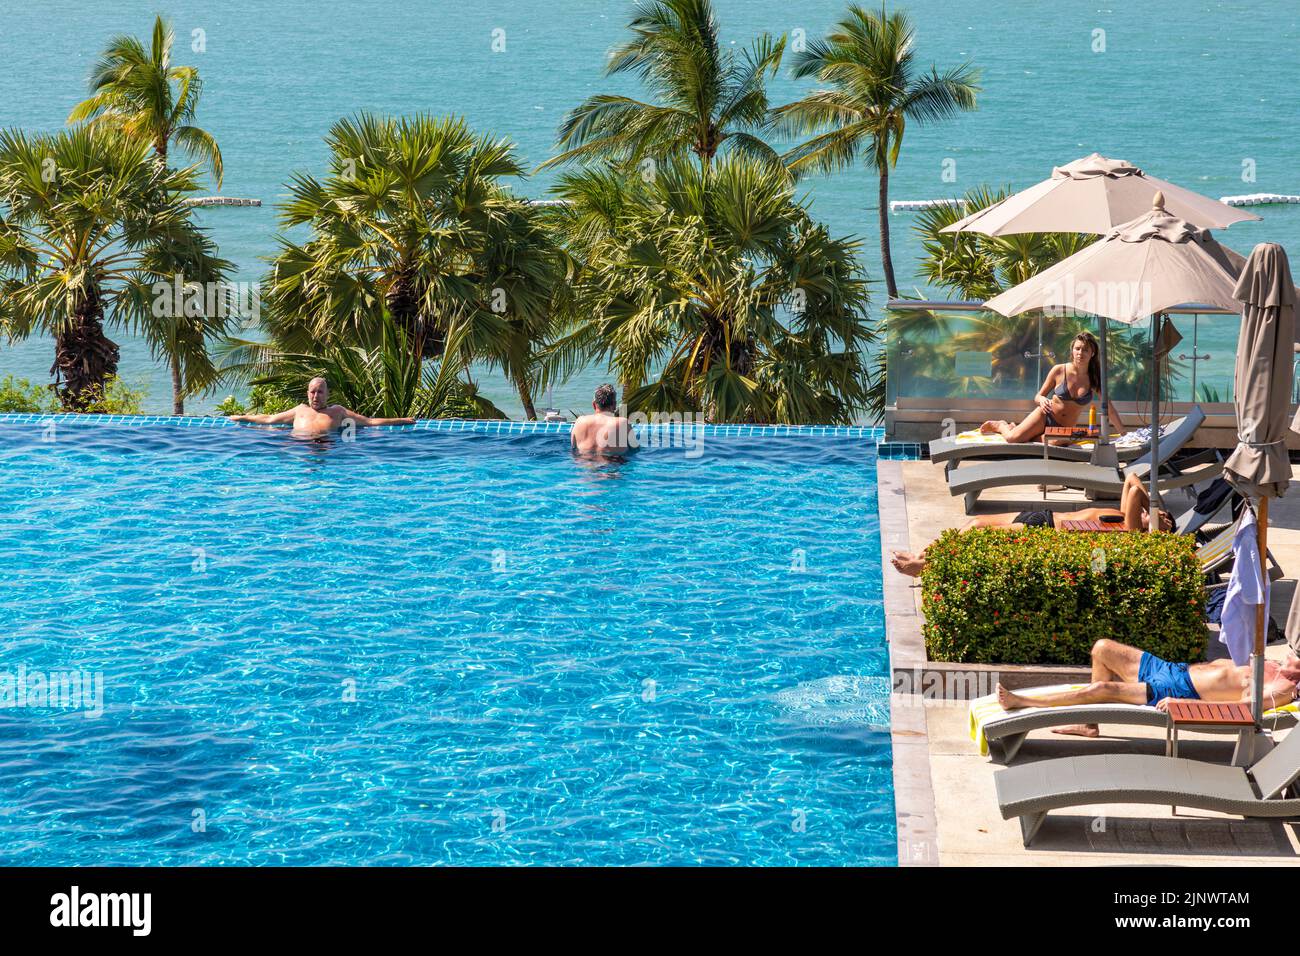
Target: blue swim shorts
{"points": [[1164, 679]]}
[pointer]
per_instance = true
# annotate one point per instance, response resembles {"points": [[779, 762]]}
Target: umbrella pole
{"points": [[1103, 453], [1261, 611], [1152, 524]]}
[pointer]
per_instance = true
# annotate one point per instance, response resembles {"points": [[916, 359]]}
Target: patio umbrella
{"points": [[1137, 271], [1259, 467], [1095, 194]]}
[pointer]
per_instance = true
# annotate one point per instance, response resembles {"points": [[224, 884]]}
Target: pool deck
{"points": [[944, 793]]}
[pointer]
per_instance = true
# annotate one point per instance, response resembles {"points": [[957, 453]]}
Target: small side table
{"points": [[1071, 524], [1209, 715]]}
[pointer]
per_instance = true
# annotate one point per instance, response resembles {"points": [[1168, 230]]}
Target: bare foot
{"points": [[989, 427], [1078, 730], [909, 564], [1010, 701]]}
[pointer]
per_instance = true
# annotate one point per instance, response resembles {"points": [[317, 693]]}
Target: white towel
{"points": [[1247, 589]]}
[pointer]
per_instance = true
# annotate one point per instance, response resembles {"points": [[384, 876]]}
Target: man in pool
{"points": [[603, 431], [1126, 675], [317, 416], [1133, 512]]}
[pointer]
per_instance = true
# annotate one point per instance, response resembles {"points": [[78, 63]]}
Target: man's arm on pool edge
{"points": [[280, 418], [365, 420]]}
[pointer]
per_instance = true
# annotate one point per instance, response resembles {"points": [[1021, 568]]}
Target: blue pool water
{"points": [[428, 647]]}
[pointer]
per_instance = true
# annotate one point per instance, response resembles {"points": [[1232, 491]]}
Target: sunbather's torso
{"points": [[1223, 680]]}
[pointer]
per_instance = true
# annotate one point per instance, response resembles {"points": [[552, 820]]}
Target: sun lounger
{"points": [[952, 451], [972, 480], [999, 733], [1032, 790]]}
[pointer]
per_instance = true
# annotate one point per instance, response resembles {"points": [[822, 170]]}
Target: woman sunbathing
{"points": [[1133, 512], [1067, 390]]}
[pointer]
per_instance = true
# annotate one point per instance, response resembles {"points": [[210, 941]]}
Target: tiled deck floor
{"points": [[970, 829]]}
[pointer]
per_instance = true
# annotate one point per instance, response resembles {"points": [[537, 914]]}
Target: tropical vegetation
{"points": [[875, 86], [89, 225], [137, 91], [705, 97], [711, 289], [414, 225], [1041, 596]]}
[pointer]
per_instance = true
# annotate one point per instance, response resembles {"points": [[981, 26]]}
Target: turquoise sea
{"points": [[1195, 92]]}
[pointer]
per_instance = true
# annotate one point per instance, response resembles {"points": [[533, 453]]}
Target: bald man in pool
{"points": [[317, 416]]}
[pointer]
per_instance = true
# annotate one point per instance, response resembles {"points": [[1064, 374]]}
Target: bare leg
{"points": [[1111, 662], [1108, 692], [1030, 427]]}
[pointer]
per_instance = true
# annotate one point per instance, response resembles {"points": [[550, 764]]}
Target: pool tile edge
{"points": [[916, 821]]}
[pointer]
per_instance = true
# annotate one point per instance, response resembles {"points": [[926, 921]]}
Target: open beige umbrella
{"points": [[1135, 272], [1094, 194], [1259, 466]]}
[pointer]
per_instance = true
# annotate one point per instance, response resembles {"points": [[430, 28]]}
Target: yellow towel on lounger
{"points": [[975, 437], [986, 708]]}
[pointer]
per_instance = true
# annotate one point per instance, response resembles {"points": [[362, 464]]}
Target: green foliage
{"points": [[705, 96], [20, 395], [116, 397], [231, 406], [414, 222], [1043, 596], [710, 289], [385, 380]]}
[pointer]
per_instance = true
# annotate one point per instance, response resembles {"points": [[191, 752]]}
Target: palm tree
{"points": [[89, 223], [139, 92], [876, 87], [977, 266], [707, 97], [383, 379], [711, 290], [414, 221]]}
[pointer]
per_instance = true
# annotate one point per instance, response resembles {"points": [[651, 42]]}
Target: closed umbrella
{"points": [[1259, 467], [1135, 272], [1096, 194]]}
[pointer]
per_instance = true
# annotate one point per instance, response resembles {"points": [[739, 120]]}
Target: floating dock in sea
{"points": [[221, 201], [913, 205], [1259, 199]]}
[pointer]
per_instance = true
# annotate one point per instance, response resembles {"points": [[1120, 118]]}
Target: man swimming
{"points": [[603, 431], [1133, 512], [317, 415], [1126, 675]]}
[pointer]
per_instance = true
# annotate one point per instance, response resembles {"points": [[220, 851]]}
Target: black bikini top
{"points": [[1063, 393]]}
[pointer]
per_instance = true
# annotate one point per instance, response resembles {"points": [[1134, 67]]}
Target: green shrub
{"points": [[1043, 596], [269, 400], [230, 406], [117, 398], [20, 395]]}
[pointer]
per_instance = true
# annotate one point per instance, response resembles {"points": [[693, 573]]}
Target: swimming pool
{"points": [[439, 646]]}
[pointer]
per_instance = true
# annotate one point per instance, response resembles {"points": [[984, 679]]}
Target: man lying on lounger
{"points": [[1126, 675], [1133, 512], [317, 415]]}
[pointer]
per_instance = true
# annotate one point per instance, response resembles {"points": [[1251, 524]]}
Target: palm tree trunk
{"points": [[178, 402], [84, 357], [525, 395], [886, 260]]}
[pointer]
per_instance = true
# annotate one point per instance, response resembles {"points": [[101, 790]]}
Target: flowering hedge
{"points": [[1040, 596]]}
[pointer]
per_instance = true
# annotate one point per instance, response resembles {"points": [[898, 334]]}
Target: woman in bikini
{"points": [[1067, 391]]}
